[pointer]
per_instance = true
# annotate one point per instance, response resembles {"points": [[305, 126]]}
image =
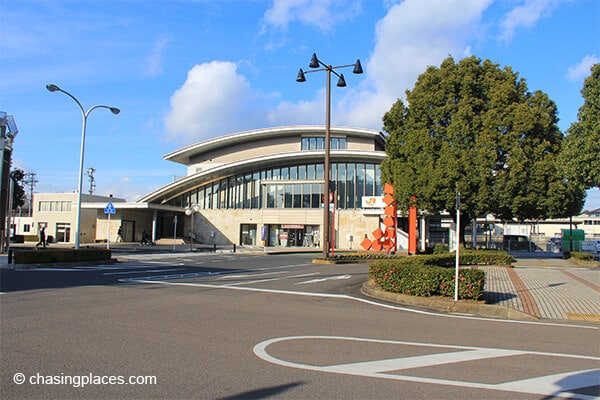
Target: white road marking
{"points": [[141, 271], [157, 280], [559, 385], [251, 275], [271, 279], [325, 279]]}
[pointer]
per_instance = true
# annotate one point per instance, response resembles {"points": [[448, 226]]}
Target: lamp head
{"points": [[314, 61], [357, 68], [341, 82], [52, 87], [114, 110], [300, 77]]}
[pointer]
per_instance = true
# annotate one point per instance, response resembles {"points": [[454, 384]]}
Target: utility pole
{"points": [[90, 173], [30, 181]]}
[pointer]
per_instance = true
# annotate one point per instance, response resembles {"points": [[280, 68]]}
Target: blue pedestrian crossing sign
{"points": [[110, 209]]}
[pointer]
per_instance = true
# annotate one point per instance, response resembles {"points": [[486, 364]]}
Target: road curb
{"points": [[370, 289]]}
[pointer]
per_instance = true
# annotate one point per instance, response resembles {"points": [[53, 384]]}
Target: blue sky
{"points": [[183, 71]]}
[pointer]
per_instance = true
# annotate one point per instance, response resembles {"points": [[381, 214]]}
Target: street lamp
{"points": [[316, 63], [191, 210], [84, 114], [8, 132]]}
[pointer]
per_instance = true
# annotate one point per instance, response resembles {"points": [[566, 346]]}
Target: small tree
{"points": [[18, 198]]}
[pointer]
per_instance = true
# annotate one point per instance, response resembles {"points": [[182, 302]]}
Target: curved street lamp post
{"points": [[316, 63], [84, 114]]}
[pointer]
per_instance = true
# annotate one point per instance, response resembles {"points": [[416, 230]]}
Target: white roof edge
{"points": [[265, 131]]}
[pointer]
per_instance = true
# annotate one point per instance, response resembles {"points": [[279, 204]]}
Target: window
{"points": [[259, 188], [54, 206], [318, 143]]}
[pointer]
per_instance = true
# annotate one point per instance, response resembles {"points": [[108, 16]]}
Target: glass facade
{"points": [[294, 186]]}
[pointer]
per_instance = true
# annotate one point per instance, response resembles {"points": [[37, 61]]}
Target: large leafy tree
{"points": [[580, 156], [474, 128]]}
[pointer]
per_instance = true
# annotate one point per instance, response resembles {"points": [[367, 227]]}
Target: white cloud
{"points": [[215, 99], [154, 65], [580, 71], [526, 15], [408, 39], [322, 14]]}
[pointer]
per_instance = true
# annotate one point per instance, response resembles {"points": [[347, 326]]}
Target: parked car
{"points": [[518, 243], [554, 245]]}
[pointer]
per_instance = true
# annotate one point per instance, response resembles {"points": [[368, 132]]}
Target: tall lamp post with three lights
{"points": [[84, 115], [321, 66]]}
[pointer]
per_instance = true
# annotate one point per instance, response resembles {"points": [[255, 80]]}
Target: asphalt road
{"points": [[239, 326]]}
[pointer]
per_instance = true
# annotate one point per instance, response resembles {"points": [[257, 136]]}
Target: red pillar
{"points": [[412, 228]]}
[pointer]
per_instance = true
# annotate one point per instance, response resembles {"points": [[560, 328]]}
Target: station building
{"points": [[266, 187]]}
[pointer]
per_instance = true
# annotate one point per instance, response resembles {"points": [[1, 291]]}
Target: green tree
{"points": [[474, 128], [580, 155], [19, 196]]}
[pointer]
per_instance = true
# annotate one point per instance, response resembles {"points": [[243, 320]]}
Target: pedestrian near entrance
{"points": [[119, 235], [146, 239], [41, 237]]}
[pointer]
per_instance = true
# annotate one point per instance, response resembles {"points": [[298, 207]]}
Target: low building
{"points": [[57, 212]]}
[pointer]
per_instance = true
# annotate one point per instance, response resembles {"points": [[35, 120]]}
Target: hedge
{"points": [[60, 255], [467, 257], [420, 276]]}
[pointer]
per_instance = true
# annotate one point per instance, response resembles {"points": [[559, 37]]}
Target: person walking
{"points": [[119, 235], [146, 239], [41, 237]]}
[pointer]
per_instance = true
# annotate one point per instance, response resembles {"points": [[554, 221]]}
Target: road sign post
{"points": [[109, 210]]}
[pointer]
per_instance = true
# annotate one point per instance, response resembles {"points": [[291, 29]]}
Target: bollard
{"points": [[10, 255], [214, 248], [234, 247]]}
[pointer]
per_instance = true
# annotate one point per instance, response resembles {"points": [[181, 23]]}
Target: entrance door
{"points": [[128, 230], [248, 234], [63, 232]]}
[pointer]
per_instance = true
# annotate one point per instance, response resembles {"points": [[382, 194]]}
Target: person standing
{"points": [[41, 237], [119, 235]]}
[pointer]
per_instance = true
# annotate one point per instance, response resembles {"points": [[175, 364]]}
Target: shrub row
{"points": [[580, 255], [466, 257], [60, 255], [416, 276]]}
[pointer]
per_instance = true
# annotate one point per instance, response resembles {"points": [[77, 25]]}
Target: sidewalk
{"points": [[546, 288]]}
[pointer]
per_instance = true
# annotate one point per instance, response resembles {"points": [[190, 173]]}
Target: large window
{"points": [[318, 143], [297, 186]]}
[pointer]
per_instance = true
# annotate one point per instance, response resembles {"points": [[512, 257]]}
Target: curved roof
{"points": [[238, 166], [184, 154]]}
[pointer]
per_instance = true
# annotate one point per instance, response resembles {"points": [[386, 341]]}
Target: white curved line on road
{"points": [[342, 296], [558, 385]]}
